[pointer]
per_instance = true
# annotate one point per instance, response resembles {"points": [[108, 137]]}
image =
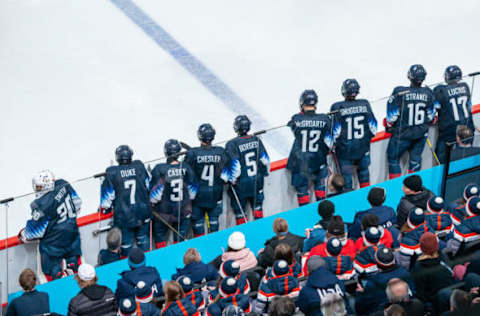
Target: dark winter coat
{"points": [[130, 278], [29, 303], [410, 201], [266, 258], [197, 272], [93, 300]]}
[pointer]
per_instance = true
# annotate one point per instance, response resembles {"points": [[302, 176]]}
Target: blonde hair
{"points": [[82, 284], [280, 226], [191, 255]]}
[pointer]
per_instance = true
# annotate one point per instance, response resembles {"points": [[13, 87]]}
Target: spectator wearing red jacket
{"points": [[371, 220]]}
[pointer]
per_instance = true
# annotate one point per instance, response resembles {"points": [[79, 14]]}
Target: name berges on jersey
{"points": [[310, 123], [416, 97], [176, 172], [455, 91], [60, 194], [247, 146], [209, 158], [354, 110], [127, 173]]}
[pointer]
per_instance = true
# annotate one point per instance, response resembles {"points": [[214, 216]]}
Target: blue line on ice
{"points": [[195, 67]]}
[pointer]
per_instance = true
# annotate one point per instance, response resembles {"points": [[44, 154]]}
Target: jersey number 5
{"points": [[310, 140], [251, 164]]}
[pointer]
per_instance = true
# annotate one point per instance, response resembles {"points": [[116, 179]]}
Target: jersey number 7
{"points": [[131, 184]]}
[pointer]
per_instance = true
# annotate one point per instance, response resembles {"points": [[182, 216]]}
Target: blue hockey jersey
{"points": [[208, 164], [314, 138], [409, 111], [54, 221], [172, 188], [454, 107], [358, 126], [249, 163], [125, 189]]}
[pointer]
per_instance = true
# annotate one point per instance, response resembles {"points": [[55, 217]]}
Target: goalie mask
{"points": [[43, 182]]}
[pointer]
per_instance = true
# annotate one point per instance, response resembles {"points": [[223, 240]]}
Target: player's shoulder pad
{"points": [[399, 89], [60, 182], [138, 163], [337, 105], [439, 87], [111, 169]]}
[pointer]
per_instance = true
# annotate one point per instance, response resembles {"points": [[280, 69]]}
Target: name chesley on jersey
{"points": [[209, 158]]}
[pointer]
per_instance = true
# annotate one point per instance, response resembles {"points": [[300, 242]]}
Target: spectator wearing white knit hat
{"points": [[238, 252]]}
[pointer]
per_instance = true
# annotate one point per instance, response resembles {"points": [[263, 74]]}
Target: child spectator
{"points": [[436, 218], [410, 238], [365, 263], [469, 229], [385, 214], [431, 273], [284, 252], [138, 272], [112, 253], [231, 269], [281, 283], [237, 251], [386, 238], [341, 266], [144, 296], [93, 299], [415, 196], [195, 269], [175, 301], [227, 295], [372, 297], [457, 209], [316, 236], [283, 236], [336, 228], [31, 302], [194, 295]]}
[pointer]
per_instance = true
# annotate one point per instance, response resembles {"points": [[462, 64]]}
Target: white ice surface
{"points": [[78, 78]]}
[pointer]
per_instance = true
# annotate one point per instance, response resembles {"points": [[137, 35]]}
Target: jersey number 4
{"points": [[207, 174], [310, 140], [459, 102], [66, 209]]}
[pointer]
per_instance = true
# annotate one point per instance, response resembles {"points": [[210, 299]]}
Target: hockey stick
{"points": [[157, 216], [238, 202], [429, 143]]}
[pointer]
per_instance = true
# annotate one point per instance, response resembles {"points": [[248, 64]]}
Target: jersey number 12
{"points": [[310, 140]]}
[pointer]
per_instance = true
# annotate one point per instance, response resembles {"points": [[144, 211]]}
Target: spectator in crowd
{"points": [[237, 251], [336, 184], [139, 271], [284, 252], [431, 274], [457, 209], [282, 235], [320, 282], [93, 299], [316, 236], [112, 253], [469, 229], [398, 293], [227, 296], [333, 304], [436, 218], [193, 295], [31, 302], [281, 306], [410, 238], [395, 310], [144, 296], [195, 269], [464, 148], [128, 307], [373, 296], [460, 303], [365, 263], [282, 283], [385, 214], [386, 238], [336, 228], [415, 196], [231, 269], [341, 266], [175, 301]]}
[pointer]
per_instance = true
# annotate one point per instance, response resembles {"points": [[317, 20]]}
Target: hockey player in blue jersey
{"points": [[54, 223], [208, 162], [172, 189], [359, 125], [124, 191], [249, 164], [454, 107], [409, 112], [314, 137]]}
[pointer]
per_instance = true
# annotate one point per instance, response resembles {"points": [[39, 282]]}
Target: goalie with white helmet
{"points": [[54, 223]]}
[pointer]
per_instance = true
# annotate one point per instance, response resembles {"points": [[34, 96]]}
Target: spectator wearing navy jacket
{"points": [[231, 269], [341, 266], [194, 295], [175, 302], [195, 269], [469, 229], [457, 209], [386, 238], [31, 301], [112, 253], [144, 296], [365, 263], [437, 219], [227, 296]]}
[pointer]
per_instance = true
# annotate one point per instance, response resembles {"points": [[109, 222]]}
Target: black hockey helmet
{"points": [[172, 147], [350, 88], [206, 133], [308, 97], [241, 125], [123, 154], [452, 74], [417, 74]]}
